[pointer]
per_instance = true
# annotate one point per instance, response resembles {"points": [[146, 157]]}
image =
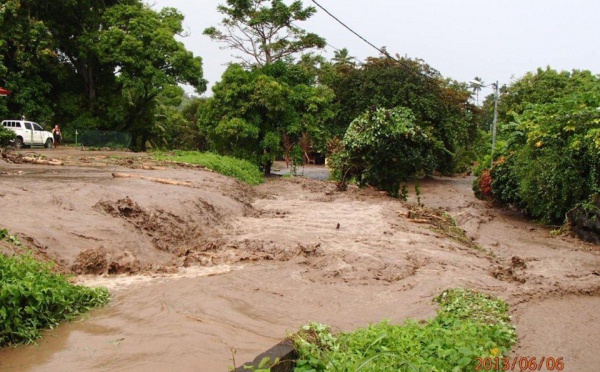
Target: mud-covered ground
{"points": [[205, 270]]}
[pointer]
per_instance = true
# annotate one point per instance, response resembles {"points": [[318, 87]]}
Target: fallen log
{"points": [[165, 181], [27, 159], [153, 167], [419, 220]]}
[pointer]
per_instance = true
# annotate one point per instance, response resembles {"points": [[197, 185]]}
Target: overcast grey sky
{"points": [[495, 40]]}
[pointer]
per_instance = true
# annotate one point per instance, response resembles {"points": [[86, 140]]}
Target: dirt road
{"points": [[222, 271]]}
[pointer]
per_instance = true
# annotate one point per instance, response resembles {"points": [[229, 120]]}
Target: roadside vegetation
{"points": [[547, 161], [469, 326], [6, 137], [226, 165], [33, 297]]}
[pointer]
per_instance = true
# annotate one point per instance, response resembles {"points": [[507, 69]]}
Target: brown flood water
{"points": [[253, 265], [193, 324]]}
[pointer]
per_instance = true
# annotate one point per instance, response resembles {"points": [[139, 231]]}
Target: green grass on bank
{"points": [[240, 169], [32, 298], [469, 325]]}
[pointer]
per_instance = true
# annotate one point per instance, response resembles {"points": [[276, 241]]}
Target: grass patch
{"points": [[32, 298], [468, 325], [240, 169]]}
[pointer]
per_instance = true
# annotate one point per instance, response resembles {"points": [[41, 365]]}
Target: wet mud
{"points": [[208, 275]]}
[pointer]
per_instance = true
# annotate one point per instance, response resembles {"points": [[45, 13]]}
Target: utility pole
{"points": [[495, 122]]}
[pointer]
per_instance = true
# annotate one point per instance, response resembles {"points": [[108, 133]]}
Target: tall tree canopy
{"points": [[98, 64], [439, 105], [264, 31], [253, 111], [138, 43]]}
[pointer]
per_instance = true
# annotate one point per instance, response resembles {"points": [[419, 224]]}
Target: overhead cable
{"points": [[380, 50]]}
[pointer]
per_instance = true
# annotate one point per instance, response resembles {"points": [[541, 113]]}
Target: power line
{"points": [[329, 45], [382, 51]]}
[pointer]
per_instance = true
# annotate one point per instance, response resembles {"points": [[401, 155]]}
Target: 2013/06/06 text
{"points": [[520, 364]]}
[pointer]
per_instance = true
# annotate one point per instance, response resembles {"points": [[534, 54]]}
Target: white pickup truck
{"points": [[29, 133]]}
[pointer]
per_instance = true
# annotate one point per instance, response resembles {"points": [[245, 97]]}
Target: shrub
{"points": [[504, 182], [240, 169], [6, 136], [482, 186], [32, 298], [469, 325], [551, 182], [384, 148], [550, 150]]}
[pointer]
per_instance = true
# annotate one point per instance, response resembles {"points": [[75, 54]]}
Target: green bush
{"points": [[383, 148], [6, 136], [32, 298], [505, 183], [469, 325], [240, 169], [552, 182], [548, 154]]}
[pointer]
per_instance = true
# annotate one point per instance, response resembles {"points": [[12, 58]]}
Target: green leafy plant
{"points": [[226, 165], [439, 105], [383, 148], [263, 366], [32, 298], [418, 193], [259, 114], [6, 136], [469, 325], [549, 144]]}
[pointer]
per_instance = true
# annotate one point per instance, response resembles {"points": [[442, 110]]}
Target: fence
{"points": [[99, 138]]}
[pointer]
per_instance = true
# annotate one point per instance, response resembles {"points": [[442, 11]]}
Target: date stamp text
{"points": [[520, 364]]}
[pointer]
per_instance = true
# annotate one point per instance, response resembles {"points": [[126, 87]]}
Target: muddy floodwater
{"points": [[206, 272]]}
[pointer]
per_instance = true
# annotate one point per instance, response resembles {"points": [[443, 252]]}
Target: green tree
{"points": [[192, 136], [252, 110], [99, 64], [384, 148], [28, 59], [476, 86], [441, 106], [342, 58], [549, 143], [264, 31], [140, 45]]}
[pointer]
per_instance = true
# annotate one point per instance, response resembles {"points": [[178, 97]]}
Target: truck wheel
{"points": [[49, 143], [19, 143]]}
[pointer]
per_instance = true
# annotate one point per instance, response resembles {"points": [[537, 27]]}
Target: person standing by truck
{"points": [[57, 134]]}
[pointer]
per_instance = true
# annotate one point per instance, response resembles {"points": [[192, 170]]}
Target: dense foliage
{"points": [[440, 106], [254, 113], [228, 166], [33, 298], [383, 148], [549, 143], [6, 136], [469, 325], [92, 64]]}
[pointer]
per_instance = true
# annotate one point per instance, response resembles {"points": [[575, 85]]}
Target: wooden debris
{"points": [[153, 167], [165, 181], [27, 159], [419, 220]]}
